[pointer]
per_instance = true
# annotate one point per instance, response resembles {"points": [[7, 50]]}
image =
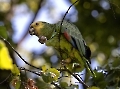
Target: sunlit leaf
{"points": [[5, 59], [50, 75], [44, 68], [55, 72]]}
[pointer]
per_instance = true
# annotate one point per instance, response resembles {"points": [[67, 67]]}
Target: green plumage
{"points": [[72, 50]]}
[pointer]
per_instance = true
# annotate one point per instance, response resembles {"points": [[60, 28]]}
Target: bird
{"points": [[66, 39]]}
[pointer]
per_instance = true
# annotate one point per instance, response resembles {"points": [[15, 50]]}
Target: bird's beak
{"points": [[32, 31]]}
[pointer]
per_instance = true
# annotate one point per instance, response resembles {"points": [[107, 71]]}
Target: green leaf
{"points": [[55, 73], [47, 77], [3, 32], [100, 80], [116, 62], [16, 82], [93, 87], [15, 70], [63, 85], [72, 87], [99, 76], [50, 75]]}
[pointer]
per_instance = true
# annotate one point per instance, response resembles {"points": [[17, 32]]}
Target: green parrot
{"points": [[66, 39]]}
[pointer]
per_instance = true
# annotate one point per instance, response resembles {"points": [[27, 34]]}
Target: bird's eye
{"points": [[37, 23]]}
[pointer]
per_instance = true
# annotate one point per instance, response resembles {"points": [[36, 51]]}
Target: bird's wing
{"points": [[73, 35]]}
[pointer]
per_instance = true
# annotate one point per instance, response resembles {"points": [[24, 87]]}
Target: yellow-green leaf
{"points": [[54, 70], [44, 68], [50, 75], [93, 87], [15, 70], [16, 82], [5, 59]]}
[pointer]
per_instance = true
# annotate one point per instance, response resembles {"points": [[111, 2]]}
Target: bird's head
{"points": [[36, 28], [42, 30]]}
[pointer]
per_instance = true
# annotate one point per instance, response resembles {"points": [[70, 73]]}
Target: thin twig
{"points": [[66, 13], [74, 75], [39, 74], [34, 72], [5, 79], [17, 53]]}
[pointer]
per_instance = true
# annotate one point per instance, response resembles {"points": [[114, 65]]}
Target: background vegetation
{"points": [[99, 23]]}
